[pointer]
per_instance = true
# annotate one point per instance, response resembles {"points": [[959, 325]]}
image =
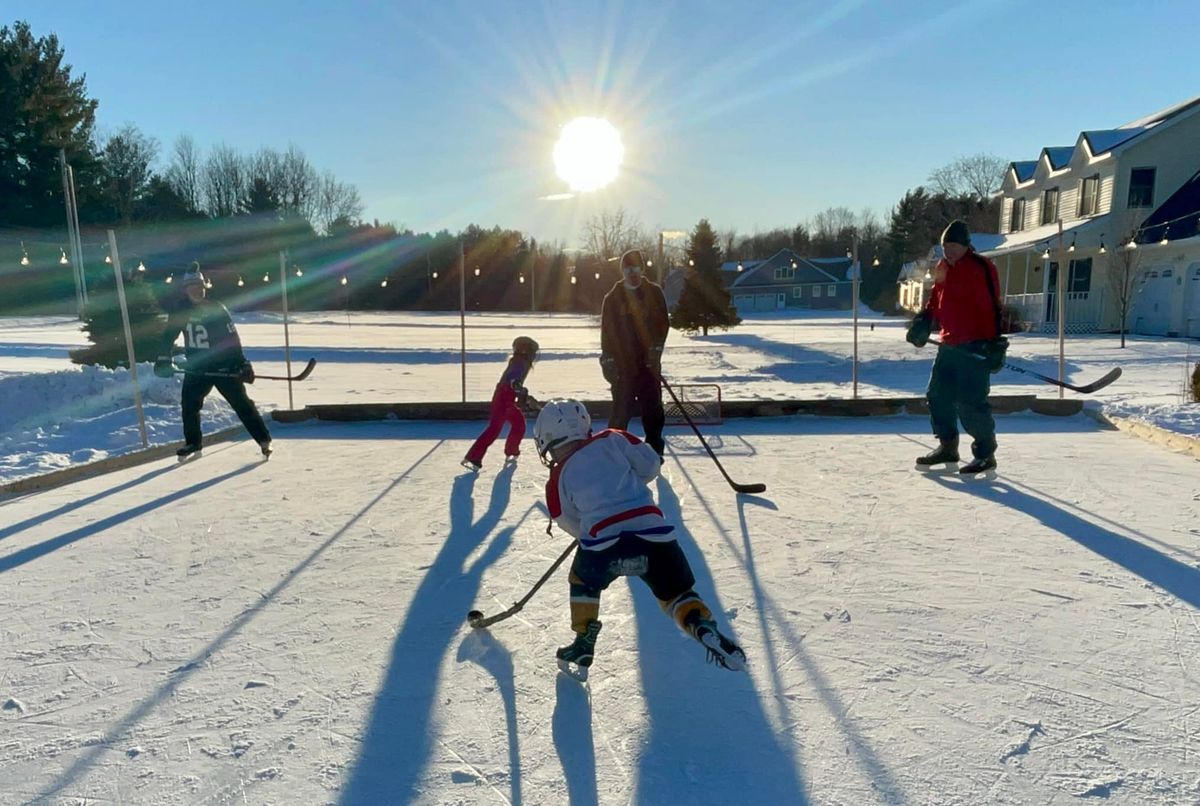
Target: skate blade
{"points": [[188, 458], [579, 673], [984, 475], [733, 661], [941, 469], [473, 468]]}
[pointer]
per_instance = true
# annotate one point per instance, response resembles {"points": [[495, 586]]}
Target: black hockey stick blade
{"points": [[757, 487], [304, 373], [1099, 383], [1085, 389]]}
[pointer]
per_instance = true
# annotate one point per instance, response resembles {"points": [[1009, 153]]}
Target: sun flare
{"points": [[588, 154]]}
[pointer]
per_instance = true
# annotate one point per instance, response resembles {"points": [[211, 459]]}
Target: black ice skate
{"points": [[188, 452], [265, 447], [721, 650], [944, 454], [986, 465], [576, 658]]}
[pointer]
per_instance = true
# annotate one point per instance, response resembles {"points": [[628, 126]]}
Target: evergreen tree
{"points": [[705, 301], [42, 110], [106, 329]]}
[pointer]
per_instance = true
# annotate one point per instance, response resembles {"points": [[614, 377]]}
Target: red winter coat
{"points": [[962, 302]]}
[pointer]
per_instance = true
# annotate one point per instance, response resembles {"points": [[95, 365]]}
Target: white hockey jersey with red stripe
{"points": [[601, 491]]}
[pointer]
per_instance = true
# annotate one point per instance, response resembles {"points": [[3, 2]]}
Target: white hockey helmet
{"points": [[561, 421]]}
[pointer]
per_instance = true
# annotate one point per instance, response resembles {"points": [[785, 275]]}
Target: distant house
{"points": [[787, 280], [916, 278], [1106, 189]]}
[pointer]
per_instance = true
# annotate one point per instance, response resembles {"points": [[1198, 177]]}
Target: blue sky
{"points": [[754, 115]]}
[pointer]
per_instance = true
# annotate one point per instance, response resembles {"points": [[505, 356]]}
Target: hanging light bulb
{"points": [[1132, 244], [875, 261], [476, 271], [649, 264], [208, 283], [597, 275], [299, 273], [691, 262], [435, 275], [241, 282], [1046, 253], [383, 283], [740, 267], [24, 255], [793, 264], [572, 279], [108, 259], [522, 279], [343, 281], [63, 257], [170, 279], [1165, 240], [1071, 248], [267, 277], [141, 266]]}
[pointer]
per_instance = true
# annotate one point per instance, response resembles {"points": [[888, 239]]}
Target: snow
{"points": [[229, 630]]}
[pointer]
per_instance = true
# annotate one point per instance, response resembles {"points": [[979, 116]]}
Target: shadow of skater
{"points": [[398, 736], [1179, 579], [481, 647], [30, 553], [572, 729], [709, 738]]}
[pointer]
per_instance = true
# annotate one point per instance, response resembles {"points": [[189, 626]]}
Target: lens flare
{"points": [[588, 154]]}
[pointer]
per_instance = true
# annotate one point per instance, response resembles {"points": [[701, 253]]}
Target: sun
{"points": [[588, 154]]}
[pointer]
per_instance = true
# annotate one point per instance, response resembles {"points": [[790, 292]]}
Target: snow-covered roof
{"points": [[1023, 170], [1059, 156], [1104, 140]]}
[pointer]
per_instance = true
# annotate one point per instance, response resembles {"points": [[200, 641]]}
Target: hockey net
{"points": [[701, 402]]}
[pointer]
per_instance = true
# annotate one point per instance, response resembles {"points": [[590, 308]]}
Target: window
{"points": [[1016, 221], [1141, 187], [1089, 195], [796, 292], [831, 290], [816, 291], [785, 273], [1050, 205], [1080, 278]]}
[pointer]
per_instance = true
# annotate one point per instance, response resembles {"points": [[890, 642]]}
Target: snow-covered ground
{"points": [[228, 631], [53, 413]]}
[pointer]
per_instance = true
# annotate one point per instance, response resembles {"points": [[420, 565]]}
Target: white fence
{"points": [[1084, 310]]}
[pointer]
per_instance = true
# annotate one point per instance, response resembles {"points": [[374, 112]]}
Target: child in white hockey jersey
{"points": [[598, 492]]}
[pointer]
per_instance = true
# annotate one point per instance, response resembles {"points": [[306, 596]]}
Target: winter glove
{"points": [[994, 353], [163, 367], [522, 395], [920, 329], [654, 360], [246, 373], [608, 365]]}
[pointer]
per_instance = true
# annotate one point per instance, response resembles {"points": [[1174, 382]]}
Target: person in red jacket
{"points": [[965, 305]]}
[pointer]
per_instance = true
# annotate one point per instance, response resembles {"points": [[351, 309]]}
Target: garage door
{"points": [[1150, 313], [1191, 313]]}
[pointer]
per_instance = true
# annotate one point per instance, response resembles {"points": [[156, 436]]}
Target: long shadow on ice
{"points": [[30, 553], [1178, 579], [572, 729], [481, 647], [179, 677], [709, 738], [399, 734]]}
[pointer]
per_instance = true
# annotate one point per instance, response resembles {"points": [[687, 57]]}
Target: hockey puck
{"points": [[474, 617]]}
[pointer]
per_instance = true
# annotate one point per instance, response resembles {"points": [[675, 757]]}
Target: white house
{"points": [[1103, 189]]}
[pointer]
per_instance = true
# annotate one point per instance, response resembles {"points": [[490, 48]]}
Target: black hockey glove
{"points": [[246, 373], [919, 329], [994, 353], [163, 367], [608, 365]]}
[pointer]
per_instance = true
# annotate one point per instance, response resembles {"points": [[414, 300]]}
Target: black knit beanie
{"points": [[957, 232]]}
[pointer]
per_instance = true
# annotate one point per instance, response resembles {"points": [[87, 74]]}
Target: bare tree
{"points": [[1121, 266], [224, 181], [977, 176], [335, 202], [300, 180], [611, 232], [128, 157], [183, 174]]}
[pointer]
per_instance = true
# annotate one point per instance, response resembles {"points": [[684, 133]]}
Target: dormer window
{"points": [[1050, 205], [1089, 195], [1141, 187], [1016, 220]]}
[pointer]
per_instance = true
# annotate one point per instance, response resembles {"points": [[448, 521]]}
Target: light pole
{"points": [[855, 275], [462, 316]]}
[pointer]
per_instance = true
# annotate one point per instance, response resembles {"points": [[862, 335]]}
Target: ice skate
{"points": [[721, 650], [576, 658]]}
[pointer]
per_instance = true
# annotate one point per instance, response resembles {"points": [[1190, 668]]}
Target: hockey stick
{"points": [[756, 487], [1085, 389], [304, 373], [478, 621]]}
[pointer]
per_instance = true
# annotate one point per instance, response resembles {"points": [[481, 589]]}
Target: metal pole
{"points": [[854, 304], [1062, 309], [287, 342], [62, 157], [659, 259], [78, 257], [137, 391], [533, 276], [462, 316]]}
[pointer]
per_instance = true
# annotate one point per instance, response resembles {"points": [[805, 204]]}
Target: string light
{"points": [[1132, 244], [875, 261], [435, 275], [208, 283], [24, 255], [383, 283], [108, 259], [299, 273], [597, 275], [740, 265], [343, 281], [691, 262], [1046, 253], [63, 258], [267, 277], [572, 279], [141, 266], [1071, 248], [522, 279], [170, 279], [1102, 249], [793, 264], [241, 282], [476, 271], [1165, 240]]}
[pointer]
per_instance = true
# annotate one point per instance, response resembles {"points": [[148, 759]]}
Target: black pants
{"points": [[958, 391], [197, 387], [639, 391]]}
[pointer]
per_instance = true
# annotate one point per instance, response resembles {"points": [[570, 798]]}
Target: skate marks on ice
{"points": [[126, 728], [1155, 567], [762, 659], [399, 732], [30, 553]]}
